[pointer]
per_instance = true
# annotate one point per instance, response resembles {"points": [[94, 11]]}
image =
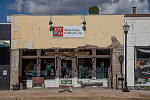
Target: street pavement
{"points": [[87, 93]]}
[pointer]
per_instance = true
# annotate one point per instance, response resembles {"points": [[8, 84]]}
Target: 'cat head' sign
{"points": [[67, 32]]}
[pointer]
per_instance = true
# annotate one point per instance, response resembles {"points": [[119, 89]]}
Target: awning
{"points": [[4, 43], [3, 46], [143, 50]]}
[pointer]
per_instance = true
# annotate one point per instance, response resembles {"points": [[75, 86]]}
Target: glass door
{"points": [[66, 68]]}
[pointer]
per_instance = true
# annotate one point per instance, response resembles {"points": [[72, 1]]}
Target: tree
{"points": [[94, 10]]}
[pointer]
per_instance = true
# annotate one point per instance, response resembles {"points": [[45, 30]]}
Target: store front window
{"points": [[102, 66], [142, 66], [28, 68], [85, 68], [29, 52], [48, 68]]}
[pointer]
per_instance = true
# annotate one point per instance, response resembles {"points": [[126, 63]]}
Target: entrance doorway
{"points": [[66, 68]]}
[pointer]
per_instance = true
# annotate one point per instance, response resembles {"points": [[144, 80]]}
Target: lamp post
{"points": [[126, 28], [121, 58]]}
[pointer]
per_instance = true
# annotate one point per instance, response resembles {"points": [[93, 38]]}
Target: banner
{"points": [[67, 32]]}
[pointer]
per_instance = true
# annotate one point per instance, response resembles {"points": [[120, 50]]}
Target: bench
{"points": [[99, 84], [38, 81]]}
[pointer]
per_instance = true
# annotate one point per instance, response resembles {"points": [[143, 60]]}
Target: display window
{"points": [[102, 66], [142, 66], [85, 68], [28, 68], [48, 68]]}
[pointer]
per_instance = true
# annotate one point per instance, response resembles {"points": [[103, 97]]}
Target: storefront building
{"points": [[83, 48], [5, 29], [138, 50]]}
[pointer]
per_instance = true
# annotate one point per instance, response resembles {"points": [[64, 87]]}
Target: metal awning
{"points": [[4, 43]]}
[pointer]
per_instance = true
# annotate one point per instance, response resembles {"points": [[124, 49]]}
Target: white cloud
{"points": [[17, 5], [79, 6], [124, 7]]}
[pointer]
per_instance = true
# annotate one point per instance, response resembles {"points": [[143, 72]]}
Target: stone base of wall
{"points": [[14, 68]]}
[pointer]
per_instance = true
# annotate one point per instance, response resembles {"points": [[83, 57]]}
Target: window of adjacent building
{"points": [[4, 55], [28, 68], [85, 68], [142, 66], [48, 68]]}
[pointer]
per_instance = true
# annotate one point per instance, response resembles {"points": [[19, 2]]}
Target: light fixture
{"points": [[84, 23], [51, 23], [126, 27], [51, 28]]}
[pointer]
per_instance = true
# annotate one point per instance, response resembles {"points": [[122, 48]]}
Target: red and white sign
{"points": [[67, 32]]}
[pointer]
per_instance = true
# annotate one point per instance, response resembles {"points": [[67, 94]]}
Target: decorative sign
{"points": [[66, 53], [67, 32]]}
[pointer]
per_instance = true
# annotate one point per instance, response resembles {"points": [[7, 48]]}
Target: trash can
{"points": [[15, 87]]}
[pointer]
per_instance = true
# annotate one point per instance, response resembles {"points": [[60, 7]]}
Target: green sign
{"points": [[66, 81]]}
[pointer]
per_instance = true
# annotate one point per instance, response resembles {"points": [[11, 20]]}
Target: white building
{"points": [[138, 49]]}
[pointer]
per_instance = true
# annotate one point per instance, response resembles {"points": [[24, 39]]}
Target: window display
{"points": [[102, 68], [142, 66], [48, 68], [85, 68], [28, 68]]}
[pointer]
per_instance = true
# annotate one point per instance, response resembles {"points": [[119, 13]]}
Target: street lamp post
{"points": [[121, 58], [126, 28]]}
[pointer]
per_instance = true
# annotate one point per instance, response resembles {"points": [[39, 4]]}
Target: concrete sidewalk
{"points": [[88, 93]]}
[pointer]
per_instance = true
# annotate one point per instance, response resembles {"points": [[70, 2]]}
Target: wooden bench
{"points": [[38, 81]]}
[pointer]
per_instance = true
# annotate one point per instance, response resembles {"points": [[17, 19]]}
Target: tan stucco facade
{"points": [[33, 31]]}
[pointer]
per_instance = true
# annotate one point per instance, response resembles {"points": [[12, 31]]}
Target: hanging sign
{"points": [[67, 32]]}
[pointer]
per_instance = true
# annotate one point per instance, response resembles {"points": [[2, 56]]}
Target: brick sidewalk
{"points": [[78, 93]]}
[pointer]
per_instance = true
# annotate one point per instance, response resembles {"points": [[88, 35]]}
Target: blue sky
{"points": [[64, 7], [4, 11]]}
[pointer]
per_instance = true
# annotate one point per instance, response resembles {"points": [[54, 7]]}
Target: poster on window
{"points": [[67, 32]]}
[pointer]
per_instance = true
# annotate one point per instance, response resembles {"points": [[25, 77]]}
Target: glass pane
{"points": [[28, 68], [103, 52], [85, 68], [142, 67], [48, 68], [29, 52], [102, 66], [66, 68]]}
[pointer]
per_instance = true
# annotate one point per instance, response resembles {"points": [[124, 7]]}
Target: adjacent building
{"points": [[5, 30], [138, 49]]}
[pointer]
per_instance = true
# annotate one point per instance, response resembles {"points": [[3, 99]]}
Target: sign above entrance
{"points": [[66, 53], [67, 32]]}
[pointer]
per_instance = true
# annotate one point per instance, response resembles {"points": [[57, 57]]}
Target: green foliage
{"points": [[94, 10]]}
